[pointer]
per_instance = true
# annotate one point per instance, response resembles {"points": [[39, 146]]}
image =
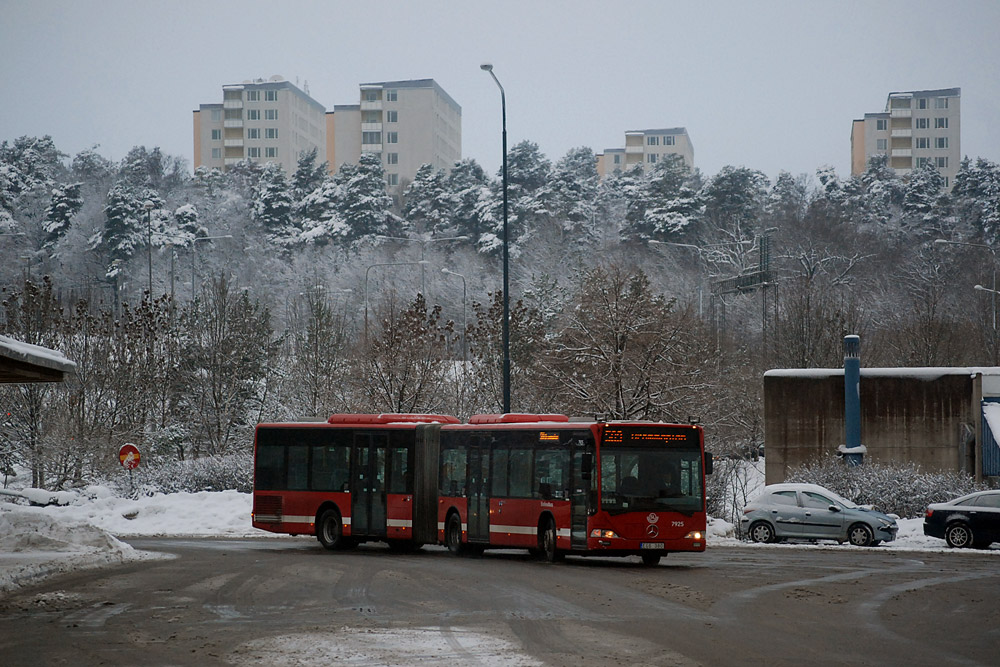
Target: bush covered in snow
{"points": [[897, 488], [205, 474], [733, 483]]}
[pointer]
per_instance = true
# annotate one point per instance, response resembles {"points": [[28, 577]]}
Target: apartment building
{"points": [[646, 148], [916, 127], [408, 123], [263, 121]]}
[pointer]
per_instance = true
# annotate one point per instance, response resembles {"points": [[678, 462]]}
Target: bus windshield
{"points": [[643, 469]]}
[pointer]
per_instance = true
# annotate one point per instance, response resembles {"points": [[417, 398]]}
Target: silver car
{"points": [[812, 512]]}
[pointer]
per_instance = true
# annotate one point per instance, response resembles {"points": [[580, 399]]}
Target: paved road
{"points": [[286, 601]]}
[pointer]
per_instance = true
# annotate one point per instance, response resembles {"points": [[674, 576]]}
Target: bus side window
{"points": [[452, 482]]}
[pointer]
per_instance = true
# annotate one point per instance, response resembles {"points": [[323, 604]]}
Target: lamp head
{"points": [[486, 67]]}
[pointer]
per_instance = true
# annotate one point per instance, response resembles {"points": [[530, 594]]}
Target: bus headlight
{"points": [[693, 535], [606, 534]]}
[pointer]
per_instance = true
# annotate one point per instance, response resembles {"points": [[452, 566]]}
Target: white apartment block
{"points": [[262, 121], [407, 123], [916, 127], [646, 148]]}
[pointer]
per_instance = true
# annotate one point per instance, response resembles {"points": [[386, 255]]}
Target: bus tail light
{"points": [[607, 534]]}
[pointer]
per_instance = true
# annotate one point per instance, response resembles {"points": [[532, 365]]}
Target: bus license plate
{"points": [[651, 545]]}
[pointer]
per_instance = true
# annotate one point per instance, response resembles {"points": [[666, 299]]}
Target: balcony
{"points": [[902, 133], [902, 152], [233, 123], [901, 113], [233, 142], [634, 149], [372, 106], [371, 127], [230, 161], [371, 148], [232, 104]]}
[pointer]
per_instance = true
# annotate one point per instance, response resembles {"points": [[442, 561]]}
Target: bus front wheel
{"points": [[330, 530], [547, 541]]}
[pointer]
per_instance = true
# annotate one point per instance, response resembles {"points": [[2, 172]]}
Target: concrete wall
{"points": [[919, 415]]}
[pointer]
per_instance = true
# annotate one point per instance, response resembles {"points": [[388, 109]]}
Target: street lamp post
{"points": [[465, 312], [423, 247], [148, 206], [367, 275], [506, 249], [194, 255]]}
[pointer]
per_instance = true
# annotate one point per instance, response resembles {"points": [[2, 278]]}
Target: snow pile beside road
{"points": [[35, 543]]}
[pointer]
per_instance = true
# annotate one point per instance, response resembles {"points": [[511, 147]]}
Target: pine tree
{"points": [[272, 206], [426, 206], [365, 207], [66, 203]]}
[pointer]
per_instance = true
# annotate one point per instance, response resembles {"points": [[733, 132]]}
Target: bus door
{"points": [[479, 491], [582, 464], [368, 484]]}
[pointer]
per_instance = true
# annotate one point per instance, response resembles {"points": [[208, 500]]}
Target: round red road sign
{"points": [[128, 455]]}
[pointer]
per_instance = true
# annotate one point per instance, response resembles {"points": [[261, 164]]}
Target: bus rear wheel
{"points": [[453, 535], [330, 530]]}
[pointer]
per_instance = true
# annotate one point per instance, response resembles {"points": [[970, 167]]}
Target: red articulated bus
{"points": [[537, 482]]}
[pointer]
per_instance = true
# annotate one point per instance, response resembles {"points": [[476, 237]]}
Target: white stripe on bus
{"points": [[524, 530], [399, 523], [294, 519]]}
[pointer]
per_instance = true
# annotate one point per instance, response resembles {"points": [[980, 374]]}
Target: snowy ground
{"points": [[40, 541]]}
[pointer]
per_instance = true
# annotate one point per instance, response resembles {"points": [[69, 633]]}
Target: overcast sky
{"points": [[768, 85]]}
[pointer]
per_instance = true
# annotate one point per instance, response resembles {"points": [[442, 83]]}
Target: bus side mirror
{"points": [[708, 463], [587, 466]]}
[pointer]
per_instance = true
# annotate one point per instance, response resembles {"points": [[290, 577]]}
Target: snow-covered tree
{"points": [[365, 207], [272, 206], [66, 203], [426, 204]]}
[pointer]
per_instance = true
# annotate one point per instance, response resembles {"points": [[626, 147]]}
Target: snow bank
{"points": [[35, 543]]}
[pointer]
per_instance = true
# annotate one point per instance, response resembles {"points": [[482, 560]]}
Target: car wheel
{"points": [[959, 536], [860, 535], [453, 535], [330, 531], [761, 531]]}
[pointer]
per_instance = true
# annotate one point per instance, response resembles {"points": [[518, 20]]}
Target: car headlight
{"points": [[887, 525]]}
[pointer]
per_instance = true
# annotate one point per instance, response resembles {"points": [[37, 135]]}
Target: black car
{"points": [[969, 521]]}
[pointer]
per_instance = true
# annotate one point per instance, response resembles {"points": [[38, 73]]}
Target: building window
{"points": [[253, 114], [652, 141], [651, 158], [371, 96], [922, 103], [618, 159], [253, 96], [270, 114], [371, 137], [253, 151], [216, 135], [941, 142], [881, 124], [390, 96], [271, 133], [271, 151], [922, 142], [270, 95], [216, 153], [392, 158], [253, 133], [941, 162], [392, 179], [392, 137], [216, 114], [669, 140], [391, 116], [941, 103], [882, 144], [923, 123], [940, 123], [921, 161]]}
